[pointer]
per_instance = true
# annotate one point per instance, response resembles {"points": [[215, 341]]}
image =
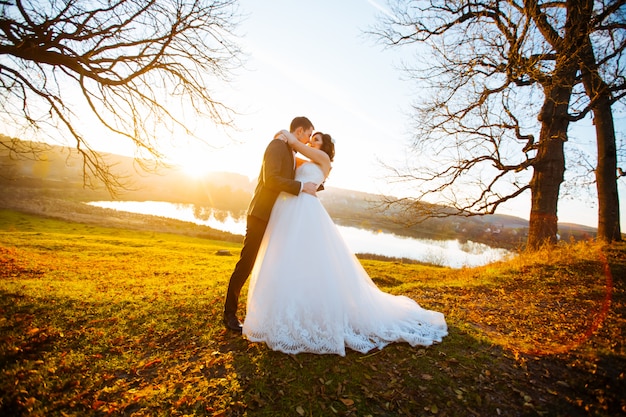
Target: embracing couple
{"points": [[308, 292]]}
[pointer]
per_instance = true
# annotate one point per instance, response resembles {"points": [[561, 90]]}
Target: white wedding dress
{"points": [[309, 293]]}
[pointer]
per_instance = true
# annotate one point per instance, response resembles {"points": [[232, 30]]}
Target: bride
{"points": [[309, 293]]}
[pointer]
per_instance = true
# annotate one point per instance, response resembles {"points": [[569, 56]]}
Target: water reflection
{"points": [[450, 253], [216, 219]]}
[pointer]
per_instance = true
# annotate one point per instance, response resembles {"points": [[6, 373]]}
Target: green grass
{"points": [[101, 321]]}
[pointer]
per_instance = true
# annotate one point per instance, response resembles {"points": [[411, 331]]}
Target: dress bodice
{"points": [[309, 172]]}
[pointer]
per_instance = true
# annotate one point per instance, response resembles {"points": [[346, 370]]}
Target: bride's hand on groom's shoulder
{"points": [[285, 136], [281, 136]]}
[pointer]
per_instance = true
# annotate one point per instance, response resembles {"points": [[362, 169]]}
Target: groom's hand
{"points": [[310, 188]]}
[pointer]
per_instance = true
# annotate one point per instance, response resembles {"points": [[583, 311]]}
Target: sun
{"points": [[194, 165], [199, 162]]}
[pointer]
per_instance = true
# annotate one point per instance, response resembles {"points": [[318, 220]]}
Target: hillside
{"points": [[57, 173]]}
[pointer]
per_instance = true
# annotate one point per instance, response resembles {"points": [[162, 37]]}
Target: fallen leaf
{"points": [[153, 362]]}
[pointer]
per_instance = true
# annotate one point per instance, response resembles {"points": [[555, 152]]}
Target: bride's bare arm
{"points": [[318, 156]]}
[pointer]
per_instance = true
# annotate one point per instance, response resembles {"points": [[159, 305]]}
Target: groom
{"points": [[277, 174]]}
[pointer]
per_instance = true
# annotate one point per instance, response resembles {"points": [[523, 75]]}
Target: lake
{"points": [[450, 253]]}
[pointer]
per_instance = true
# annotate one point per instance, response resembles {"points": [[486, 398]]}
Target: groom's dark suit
{"points": [[277, 173]]}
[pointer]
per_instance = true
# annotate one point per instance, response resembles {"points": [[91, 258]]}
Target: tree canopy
{"points": [[141, 71]]}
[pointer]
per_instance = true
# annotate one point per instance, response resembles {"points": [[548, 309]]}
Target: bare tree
{"points": [[491, 62], [140, 69], [604, 81], [566, 44]]}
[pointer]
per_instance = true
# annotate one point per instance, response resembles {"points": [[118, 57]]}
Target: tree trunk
{"points": [[609, 228], [548, 169], [549, 165]]}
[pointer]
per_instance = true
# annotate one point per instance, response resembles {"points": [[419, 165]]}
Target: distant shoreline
{"points": [[32, 202]]}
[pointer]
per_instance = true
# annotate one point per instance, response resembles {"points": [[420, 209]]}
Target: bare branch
{"points": [[143, 69]]}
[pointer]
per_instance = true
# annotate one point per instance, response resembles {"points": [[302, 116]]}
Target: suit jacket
{"points": [[277, 173]]}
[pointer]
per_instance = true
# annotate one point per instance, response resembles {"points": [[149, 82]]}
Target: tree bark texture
{"points": [[549, 164], [548, 169], [609, 228]]}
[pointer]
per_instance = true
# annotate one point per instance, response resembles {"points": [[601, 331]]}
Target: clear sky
{"points": [[312, 59]]}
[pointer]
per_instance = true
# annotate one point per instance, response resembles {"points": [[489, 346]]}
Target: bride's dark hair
{"points": [[328, 145]]}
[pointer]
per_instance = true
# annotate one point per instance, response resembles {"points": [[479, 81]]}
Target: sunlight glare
{"points": [[195, 165]]}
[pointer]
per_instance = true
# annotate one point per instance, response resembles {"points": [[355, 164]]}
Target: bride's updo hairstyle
{"points": [[328, 144]]}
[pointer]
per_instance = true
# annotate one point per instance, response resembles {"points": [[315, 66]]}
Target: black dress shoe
{"points": [[232, 323]]}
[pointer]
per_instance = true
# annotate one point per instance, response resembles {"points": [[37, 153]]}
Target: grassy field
{"points": [[103, 321]]}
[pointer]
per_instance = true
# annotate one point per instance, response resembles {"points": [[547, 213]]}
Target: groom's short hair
{"points": [[302, 122]]}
